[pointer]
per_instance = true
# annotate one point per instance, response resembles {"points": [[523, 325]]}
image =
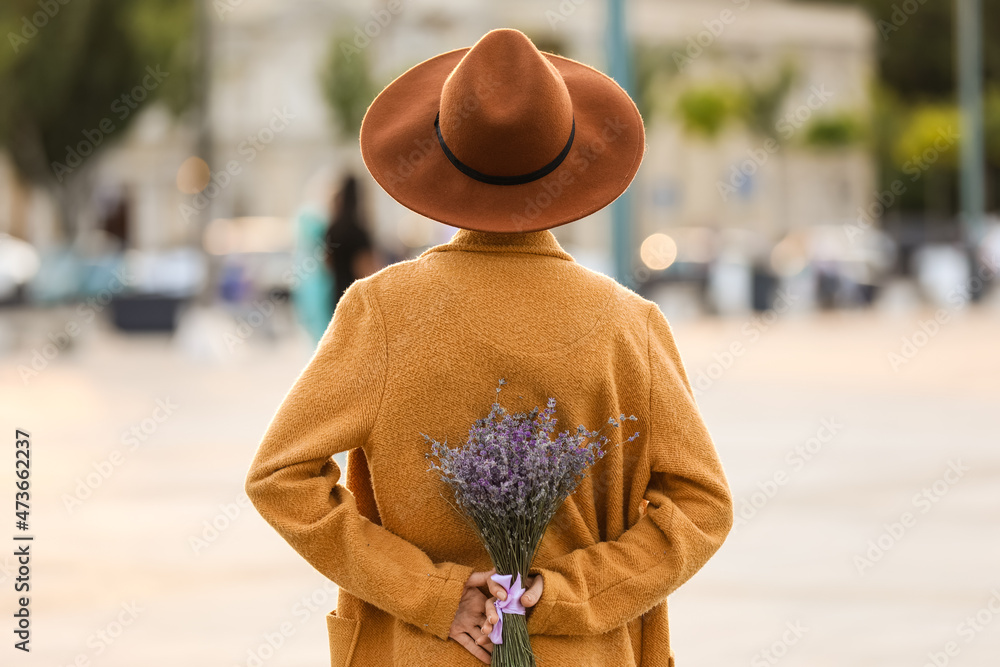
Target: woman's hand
{"points": [[534, 586], [469, 618]]}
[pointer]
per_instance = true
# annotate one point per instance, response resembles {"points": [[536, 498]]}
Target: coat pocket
{"points": [[343, 633]]}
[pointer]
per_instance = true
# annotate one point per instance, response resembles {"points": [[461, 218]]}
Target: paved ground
{"points": [[843, 557]]}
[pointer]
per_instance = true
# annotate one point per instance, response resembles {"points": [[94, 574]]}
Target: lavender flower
{"points": [[509, 480]]}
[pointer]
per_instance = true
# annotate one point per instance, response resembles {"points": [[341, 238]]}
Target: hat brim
{"points": [[399, 146]]}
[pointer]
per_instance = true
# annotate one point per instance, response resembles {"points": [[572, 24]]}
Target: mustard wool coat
{"points": [[419, 347]]}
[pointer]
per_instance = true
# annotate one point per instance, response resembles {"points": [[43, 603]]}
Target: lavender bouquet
{"points": [[509, 480]]}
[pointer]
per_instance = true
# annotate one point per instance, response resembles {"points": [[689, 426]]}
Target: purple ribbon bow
{"points": [[510, 605]]}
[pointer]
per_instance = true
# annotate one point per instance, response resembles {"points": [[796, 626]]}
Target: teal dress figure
{"points": [[313, 285]]}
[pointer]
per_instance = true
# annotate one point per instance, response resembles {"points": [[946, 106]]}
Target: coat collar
{"points": [[542, 242]]}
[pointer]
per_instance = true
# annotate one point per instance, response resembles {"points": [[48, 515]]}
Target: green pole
{"points": [[621, 209], [970, 92]]}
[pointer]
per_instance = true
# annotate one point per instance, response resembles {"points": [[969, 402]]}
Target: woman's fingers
{"points": [[530, 596], [485, 642], [465, 639], [491, 611], [496, 590], [477, 579], [534, 592]]}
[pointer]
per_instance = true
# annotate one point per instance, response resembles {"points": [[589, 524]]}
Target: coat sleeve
{"points": [[294, 483], [690, 513]]}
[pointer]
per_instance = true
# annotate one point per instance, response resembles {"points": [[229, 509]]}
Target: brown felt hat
{"points": [[501, 137]]}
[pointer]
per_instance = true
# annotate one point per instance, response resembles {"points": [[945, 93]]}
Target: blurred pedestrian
{"points": [[312, 286], [350, 253]]}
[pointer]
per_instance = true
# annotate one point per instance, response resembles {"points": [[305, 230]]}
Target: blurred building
{"points": [[778, 186], [272, 134]]}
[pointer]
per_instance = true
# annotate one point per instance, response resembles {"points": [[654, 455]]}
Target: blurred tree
{"points": [[761, 102], [916, 150], [929, 136], [74, 76], [760, 107], [547, 42], [836, 130], [653, 73], [915, 48], [705, 110], [992, 123], [347, 84], [915, 45], [926, 151], [888, 110]]}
